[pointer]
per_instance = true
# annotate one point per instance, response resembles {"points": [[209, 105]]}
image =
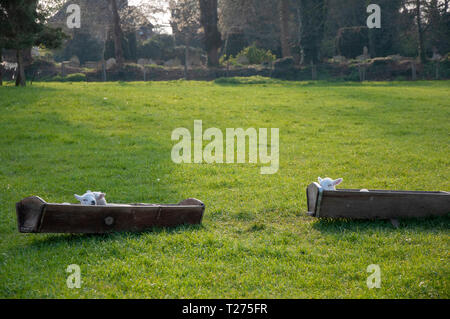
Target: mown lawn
{"points": [[57, 139]]}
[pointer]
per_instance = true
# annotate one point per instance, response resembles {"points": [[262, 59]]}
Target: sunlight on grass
{"points": [[256, 241]]}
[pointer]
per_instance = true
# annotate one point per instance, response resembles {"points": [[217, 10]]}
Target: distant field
{"points": [[57, 139]]}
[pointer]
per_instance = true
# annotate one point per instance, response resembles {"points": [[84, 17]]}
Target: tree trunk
{"points": [[103, 70], [186, 58], [421, 49], [20, 78], [103, 58], [117, 33], [1, 68], [284, 27], [225, 50], [372, 42], [213, 58], [299, 36], [225, 47], [313, 71], [413, 71], [437, 70], [208, 20], [63, 69]]}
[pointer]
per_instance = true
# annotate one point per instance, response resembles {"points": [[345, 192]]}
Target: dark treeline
{"points": [[225, 31], [317, 29]]}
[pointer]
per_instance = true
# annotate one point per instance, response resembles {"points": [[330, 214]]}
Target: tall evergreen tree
{"points": [[22, 26], [312, 16], [383, 41], [437, 15]]}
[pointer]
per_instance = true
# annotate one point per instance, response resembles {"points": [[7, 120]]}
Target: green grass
{"points": [[256, 241]]}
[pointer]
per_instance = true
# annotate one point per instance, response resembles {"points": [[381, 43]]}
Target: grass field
{"points": [[57, 139]]}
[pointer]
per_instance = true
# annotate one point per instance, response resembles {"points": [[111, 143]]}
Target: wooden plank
{"points": [[57, 218], [312, 195], [372, 205], [379, 204], [29, 212]]}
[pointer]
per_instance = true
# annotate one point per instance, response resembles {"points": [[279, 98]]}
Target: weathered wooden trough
{"points": [[375, 204], [34, 215]]}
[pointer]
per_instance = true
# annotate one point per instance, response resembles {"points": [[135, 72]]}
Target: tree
{"points": [[3, 26], [284, 26], [82, 45], [213, 40], [24, 27], [420, 32], [437, 16], [1, 67], [117, 32], [432, 21], [185, 20], [247, 22], [382, 41], [417, 8], [312, 16]]}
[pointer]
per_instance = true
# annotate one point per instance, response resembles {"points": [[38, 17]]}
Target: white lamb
{"points": [[87, 199], [92, 198], [99, 197], [328, 184]]}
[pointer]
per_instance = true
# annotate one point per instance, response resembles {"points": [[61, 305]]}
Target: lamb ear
{"points": [[101, 196], [78, 197], [337, 181], [320, 180]]}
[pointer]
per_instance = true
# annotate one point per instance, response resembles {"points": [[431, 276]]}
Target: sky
{"points": [[162, 19]]}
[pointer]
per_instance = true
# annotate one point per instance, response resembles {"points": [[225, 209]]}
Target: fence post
{"points": [[104, 70], [63, 68], [437, 70], [313, 71]]}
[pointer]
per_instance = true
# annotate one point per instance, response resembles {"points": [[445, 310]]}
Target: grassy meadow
{"points": [[256, 241]]}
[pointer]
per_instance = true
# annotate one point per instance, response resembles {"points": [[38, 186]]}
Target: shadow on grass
{"points": [[11, 87], [56, 239], [125, 164], [258, 80], [333, 226]]}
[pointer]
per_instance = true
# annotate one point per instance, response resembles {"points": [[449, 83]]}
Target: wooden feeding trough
{"points": [[375, 204], [34, 215]]}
